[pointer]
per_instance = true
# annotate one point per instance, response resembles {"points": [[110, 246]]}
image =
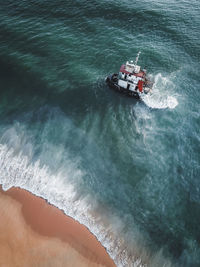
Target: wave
{"points": [[161, 96], [17, 170]]}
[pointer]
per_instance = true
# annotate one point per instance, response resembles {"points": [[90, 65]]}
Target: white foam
{"points": [[159, 102], [161, 96], [17, 170]]}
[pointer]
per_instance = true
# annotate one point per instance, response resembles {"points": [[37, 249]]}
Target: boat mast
{"points": [[136, 60]]}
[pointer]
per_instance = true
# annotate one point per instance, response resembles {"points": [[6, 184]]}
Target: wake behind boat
{"points": [[131, 80]]}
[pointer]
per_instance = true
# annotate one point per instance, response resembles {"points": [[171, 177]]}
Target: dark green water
{"points": [[128, 170]]}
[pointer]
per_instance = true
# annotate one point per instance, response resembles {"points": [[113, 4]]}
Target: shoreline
{"points": [[43, 223]]}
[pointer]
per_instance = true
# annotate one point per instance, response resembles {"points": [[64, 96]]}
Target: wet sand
{"points": [[35, 233]]}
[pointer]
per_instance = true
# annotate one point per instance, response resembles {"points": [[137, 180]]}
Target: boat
{"points": [[131, 80]]}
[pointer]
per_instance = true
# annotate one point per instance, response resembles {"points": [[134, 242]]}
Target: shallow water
{"points": [[128, 170]]}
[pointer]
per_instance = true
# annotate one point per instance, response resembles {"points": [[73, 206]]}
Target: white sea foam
{"points": [[161, 96], [18, 170]]}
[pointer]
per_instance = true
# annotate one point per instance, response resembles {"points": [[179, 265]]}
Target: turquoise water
{"points": [[128, 170]]}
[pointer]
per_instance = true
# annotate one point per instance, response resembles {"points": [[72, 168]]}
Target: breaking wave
{"points": [[17, 170]]}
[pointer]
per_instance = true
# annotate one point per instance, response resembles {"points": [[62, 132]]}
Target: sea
{"points": [[128, 170]]}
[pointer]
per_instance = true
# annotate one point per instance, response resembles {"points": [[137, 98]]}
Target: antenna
{"points": [[136, 60]]}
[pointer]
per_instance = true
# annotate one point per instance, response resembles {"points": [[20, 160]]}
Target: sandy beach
{"points": [[35, 233]]}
